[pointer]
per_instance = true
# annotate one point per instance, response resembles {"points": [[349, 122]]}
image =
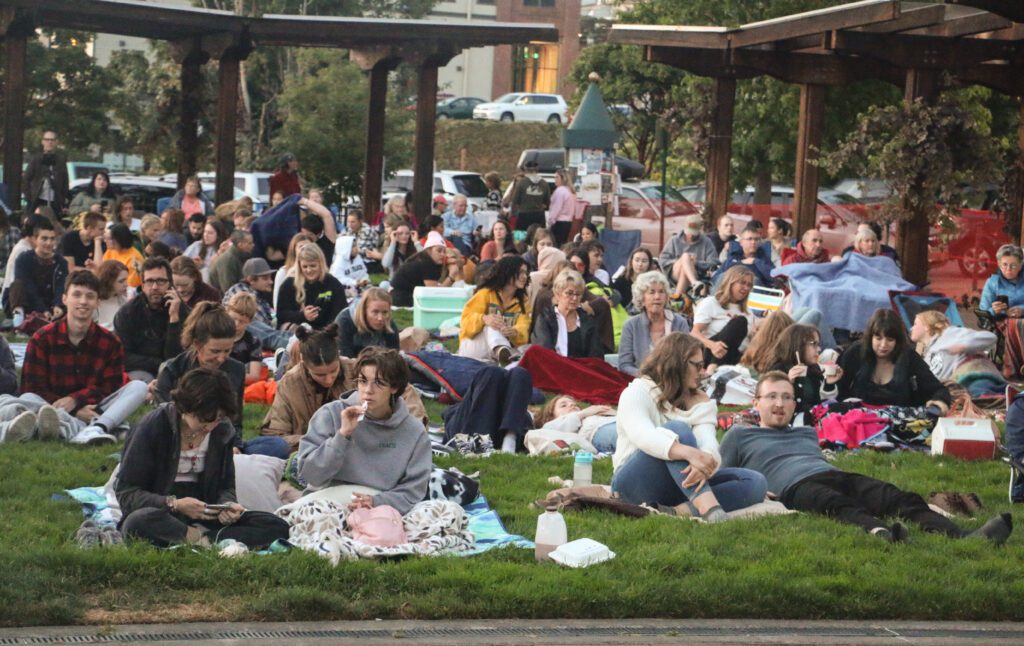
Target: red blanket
{"points": [[589, 379]]}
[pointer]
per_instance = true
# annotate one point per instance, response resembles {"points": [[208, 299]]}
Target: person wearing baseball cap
{"points": [[286, 180], [258, 280]]}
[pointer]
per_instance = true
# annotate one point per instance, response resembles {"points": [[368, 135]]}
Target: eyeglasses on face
{"points": [[156, 282], [776, 397]]}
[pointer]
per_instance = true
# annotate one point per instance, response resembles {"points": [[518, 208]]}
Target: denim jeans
{"points": [[268, 337], [605, 438], [647, 479], [275, 447]]}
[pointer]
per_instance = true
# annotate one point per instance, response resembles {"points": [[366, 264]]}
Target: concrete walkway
{"points": [[523, 631]]}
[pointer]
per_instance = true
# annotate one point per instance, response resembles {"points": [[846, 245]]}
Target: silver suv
{"points": [[524, 106]]}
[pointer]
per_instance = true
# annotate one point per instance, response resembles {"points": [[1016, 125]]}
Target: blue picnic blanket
{"points": [[484, 522], [846, 292], [488, 529]]}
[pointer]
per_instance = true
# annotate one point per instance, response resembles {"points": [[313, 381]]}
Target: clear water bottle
{"points": [[551, 533], [583, 469]]}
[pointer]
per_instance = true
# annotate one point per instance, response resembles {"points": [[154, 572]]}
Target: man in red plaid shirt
{"points": [[72, 379]]}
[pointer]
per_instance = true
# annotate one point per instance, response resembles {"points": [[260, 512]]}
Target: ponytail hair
{"points": [[318, 347], [206, 321]]}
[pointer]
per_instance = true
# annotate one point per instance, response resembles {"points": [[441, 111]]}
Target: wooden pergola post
{"points": [[720, 149], [377, 63], [1017, 199], [15, 47], [229, 54], [191, 57], [913, 233], [423, 152], [808, 146]]}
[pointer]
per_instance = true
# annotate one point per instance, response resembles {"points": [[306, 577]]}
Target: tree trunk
{"points": [[913, 248]]}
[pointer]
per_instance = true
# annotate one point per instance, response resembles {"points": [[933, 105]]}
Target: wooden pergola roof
{"points": [[173, 22], [851, 42]]}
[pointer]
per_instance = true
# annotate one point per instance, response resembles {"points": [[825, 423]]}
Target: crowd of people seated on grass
{"points": [[179, 312]]}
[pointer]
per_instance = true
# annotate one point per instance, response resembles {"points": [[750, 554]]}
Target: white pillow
{"points": [[256, 481]]}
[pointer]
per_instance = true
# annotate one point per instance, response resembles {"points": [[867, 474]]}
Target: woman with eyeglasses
{"points": [[1003, 297], [176, 482], [367, 450], [496, 320], [666, 452], [883, 369], [565, 326], [797, 351]]}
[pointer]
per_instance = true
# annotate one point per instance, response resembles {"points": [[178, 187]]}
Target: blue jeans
{"points": [[647, 479], [268, 337], [605, 438], [273, 446]]}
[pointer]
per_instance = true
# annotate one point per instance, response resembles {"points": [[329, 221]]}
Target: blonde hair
{"points": [[935, 321], [563, 174], [309, 253], [732, 276], [289, 260], [243, 303], [149, 221], [370, 295], [761, 351], [565, 278]]}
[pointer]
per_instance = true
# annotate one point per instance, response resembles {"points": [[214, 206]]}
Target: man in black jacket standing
{"points": [[150, 325], [46, 176]]}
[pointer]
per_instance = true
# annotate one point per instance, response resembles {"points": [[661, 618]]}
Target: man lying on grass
{"points": [[797, 471]]}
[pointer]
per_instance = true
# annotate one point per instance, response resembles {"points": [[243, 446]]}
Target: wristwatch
{"points": [[171, 502]]}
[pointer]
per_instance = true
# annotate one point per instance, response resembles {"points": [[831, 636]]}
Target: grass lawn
{"points": [[781, 567]]}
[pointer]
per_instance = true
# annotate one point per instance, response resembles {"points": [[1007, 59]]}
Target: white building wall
{"points": [[470, 73]]}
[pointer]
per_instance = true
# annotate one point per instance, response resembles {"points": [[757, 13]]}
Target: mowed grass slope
{"points": [[792, 566]]}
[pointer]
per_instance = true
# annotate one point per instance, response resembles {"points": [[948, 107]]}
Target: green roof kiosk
{"points": [[590, 142]]}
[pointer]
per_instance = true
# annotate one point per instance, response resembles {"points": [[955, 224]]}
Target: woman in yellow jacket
{"points": [[497, 319]]}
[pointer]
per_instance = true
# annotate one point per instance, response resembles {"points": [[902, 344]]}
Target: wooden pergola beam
{"points": [[846, 16], [702, 62], [975, 22], [924, 52], [911, 17], [670, 36]]}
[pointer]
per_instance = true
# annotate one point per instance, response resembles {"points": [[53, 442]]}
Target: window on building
{"points": [[535, 68], [538, 3]]}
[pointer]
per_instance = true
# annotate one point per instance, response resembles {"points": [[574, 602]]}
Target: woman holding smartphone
{"points": [[1003, 298], [312, 295], [177, 479]]}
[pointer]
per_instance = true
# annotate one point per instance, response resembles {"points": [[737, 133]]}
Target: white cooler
{"points": [[965, 438]]}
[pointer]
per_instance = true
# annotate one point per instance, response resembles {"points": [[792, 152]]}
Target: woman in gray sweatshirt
{"points": [[369, 439]]}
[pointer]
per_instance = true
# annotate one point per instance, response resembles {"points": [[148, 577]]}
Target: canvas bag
{"points": [[381, 525]]}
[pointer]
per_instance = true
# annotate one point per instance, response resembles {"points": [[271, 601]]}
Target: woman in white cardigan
{"points": [[667, 452]]}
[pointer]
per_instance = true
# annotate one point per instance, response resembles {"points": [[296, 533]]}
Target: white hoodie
{"points": [[942, 362]]}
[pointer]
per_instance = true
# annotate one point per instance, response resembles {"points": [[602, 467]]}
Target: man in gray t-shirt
{"points": [[802, 479]]}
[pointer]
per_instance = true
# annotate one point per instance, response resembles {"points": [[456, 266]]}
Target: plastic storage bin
{"points": [[433, 305]]}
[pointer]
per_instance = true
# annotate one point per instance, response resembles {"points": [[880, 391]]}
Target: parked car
{"points": [[639, 209], [694, 192], [524, 106], [460, 107], [837, 216], [446, 182], [867, 190], [551, 159]]}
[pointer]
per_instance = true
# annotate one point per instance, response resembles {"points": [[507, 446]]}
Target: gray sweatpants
{"points": [[116, 408]]}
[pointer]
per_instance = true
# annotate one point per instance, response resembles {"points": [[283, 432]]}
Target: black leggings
{"points": [[162, 527], [732, 335], [860, 500], [560, 231]]}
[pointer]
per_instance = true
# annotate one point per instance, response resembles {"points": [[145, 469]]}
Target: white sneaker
{"points": [[48, 423], [92, 435], [21, 428]]}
